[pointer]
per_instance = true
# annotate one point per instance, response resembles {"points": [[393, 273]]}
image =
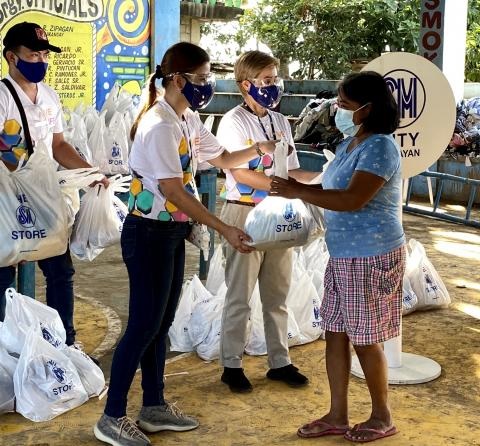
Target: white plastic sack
{"points": [[425, 280], [21, 314], [76, 134], [193, 292], [99, 221], [410, 299], [216, 271], [33, 213], [8, 364], [109, 145], [46, 382], [90, 374], [304, 302], [70, 182], [277, 222]]}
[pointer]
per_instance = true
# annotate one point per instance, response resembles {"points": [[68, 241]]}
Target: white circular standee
{"points": [[415, 369], [403, 368]]}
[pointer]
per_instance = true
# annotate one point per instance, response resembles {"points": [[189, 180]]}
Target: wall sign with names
{"points": [[102, 41]]}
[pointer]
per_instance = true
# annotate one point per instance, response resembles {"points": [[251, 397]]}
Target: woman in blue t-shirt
{"points": [[361, 194]]}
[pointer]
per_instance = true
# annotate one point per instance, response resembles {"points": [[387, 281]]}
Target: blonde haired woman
{"points": [[246, 185]]}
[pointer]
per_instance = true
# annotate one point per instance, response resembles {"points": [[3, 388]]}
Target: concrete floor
{"points": [[443, 412]]}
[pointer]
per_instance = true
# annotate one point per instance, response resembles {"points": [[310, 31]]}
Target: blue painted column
{"points": [[165, 27]]}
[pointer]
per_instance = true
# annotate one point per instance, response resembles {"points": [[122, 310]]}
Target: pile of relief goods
{"points": [[40, 376], [198, 318], [102, 138]]}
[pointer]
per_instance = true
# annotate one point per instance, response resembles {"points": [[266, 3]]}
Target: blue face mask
{"points": [[32, 71], [198, 96], [268, 97], [344, 121]]}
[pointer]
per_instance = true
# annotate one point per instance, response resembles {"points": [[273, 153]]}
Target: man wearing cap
{"points": [[26, 49]]}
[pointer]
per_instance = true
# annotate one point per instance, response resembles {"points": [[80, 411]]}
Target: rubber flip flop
{"points": [[377, 434], [328, 429]]}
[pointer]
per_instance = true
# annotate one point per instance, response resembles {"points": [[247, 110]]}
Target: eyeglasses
{"points": [[267, 81], [196, 78]]}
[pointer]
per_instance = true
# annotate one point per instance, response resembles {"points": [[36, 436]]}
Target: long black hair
{"points": [[370, 87]]}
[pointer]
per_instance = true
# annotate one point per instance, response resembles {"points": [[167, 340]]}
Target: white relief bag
{"points": [[426, 282], [100, 219], [90, 374], [8, 364], [21, 314], [33, 212], [278, 222], [46, 382], [71, 181]]}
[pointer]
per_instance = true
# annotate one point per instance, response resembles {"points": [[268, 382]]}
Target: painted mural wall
{"points": [[102, 41]]}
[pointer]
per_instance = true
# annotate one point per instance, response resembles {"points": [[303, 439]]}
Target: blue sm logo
{"points": [[408, 90]]}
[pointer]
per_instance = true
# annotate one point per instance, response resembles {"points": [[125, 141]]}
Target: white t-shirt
{"points": [[44, 119], [161, 150], [240, 128]]}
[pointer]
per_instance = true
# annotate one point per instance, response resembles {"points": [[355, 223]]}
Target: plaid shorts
{"points": [[363, 297]]}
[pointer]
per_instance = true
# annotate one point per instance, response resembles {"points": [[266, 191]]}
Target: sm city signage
{"points": [[426, 105]]}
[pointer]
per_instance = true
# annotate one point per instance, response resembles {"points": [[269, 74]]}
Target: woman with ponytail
{"points": [[169, 140]]}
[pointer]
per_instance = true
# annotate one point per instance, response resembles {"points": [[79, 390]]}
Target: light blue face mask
{"points": [[344, 121]]}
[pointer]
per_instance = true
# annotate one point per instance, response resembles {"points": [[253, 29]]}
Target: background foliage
{"points": [[324, 37]]}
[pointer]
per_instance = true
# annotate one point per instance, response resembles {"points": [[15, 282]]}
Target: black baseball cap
{"points": [[30, 35]]}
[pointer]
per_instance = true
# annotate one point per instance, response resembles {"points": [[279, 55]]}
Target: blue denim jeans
{"points": [[154, 253], [58, 272]]}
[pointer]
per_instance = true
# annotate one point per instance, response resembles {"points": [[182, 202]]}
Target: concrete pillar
{"points": [[443, 31], [165, 27]]}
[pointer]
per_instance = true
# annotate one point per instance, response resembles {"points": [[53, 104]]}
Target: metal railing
{"points": [[436, 212]]}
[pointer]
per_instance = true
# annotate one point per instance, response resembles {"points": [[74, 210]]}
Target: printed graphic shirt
{"points": [[376, 228], [44, 119], [162, 149], [239, 129]]}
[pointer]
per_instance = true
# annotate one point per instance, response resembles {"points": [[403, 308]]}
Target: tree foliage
{"points": [[325, 36], [472, 56]]}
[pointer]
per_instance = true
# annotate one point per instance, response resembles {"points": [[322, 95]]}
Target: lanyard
{"points": [[186, 135], [246, 107]]}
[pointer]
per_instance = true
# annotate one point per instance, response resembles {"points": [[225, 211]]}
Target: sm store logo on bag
{"points": [[60, 375], [289, 215], [27, 218], [409, 92], [116, 153]]}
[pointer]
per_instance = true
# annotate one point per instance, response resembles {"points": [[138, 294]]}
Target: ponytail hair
{"points": [[152, 98]]}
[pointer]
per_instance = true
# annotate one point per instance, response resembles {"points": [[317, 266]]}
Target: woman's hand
{"points": [[237, 238], [280, 187], [267, 146], [104, 181]]}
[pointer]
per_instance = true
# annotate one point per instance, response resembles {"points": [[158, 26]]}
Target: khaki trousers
{"points": [[273, 269]]}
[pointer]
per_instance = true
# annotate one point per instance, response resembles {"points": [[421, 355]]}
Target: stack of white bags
{"points": [[197, 322], [102, 138], [40, 376], [198, 318]]}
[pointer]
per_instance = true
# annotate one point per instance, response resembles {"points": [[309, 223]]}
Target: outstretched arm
{"points": [[361, 189]]}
